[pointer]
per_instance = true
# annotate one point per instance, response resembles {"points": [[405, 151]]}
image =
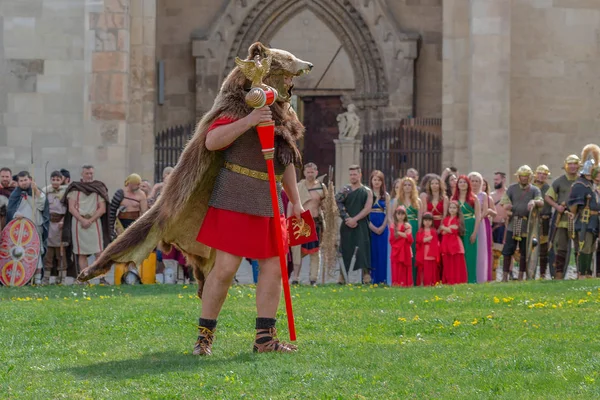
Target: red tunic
{"points": [[401, 258], [453, 255], [437, 212], [428, 256], [240, 234]]}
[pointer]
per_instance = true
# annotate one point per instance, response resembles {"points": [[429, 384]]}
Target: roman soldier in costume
{"points": [[27, 201], [56, 248], [311, 192], [216, 206], [86, 221], [518, 201], [7, 185], [583, 202], [562, 227], [542, 173], [127, 205]]}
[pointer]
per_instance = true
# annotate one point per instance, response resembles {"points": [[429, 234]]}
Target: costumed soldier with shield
{"points": [[28, 202], [519, 200], [583, 202], [561, 227], [542, 173]]}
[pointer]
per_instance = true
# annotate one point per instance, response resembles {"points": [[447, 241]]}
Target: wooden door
{"points": [[319, 118]]}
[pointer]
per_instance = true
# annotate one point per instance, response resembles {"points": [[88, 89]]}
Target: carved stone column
{"points": [[347, 152]]}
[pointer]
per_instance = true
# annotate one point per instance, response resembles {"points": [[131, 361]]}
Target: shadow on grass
{"points": [[153, 364]]}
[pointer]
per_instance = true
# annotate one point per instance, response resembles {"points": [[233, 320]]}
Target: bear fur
{"points": [[176, 217]]}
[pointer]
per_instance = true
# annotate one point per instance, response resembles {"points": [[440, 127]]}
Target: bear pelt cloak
{"points": [[176, 217]]}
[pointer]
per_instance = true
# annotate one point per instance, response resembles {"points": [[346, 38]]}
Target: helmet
{"points": [[591, 160], [543, 169], [573, 158], [524, 170]]}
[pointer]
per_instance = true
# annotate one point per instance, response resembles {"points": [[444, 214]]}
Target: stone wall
{"points": [[521, 82], [555, 80], [425, 18], [177, 21], [42, 79], [71, 89]]}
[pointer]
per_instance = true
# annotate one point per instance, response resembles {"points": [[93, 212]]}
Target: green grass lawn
{"points": [[517, 340]]}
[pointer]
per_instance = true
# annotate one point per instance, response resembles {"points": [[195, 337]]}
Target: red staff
{"points": [[259, 97]]}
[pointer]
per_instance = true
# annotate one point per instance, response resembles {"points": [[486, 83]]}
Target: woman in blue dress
{"points": [[379, 228]]}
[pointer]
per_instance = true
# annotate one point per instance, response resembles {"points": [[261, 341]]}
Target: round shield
{"points": [[19, 252]]}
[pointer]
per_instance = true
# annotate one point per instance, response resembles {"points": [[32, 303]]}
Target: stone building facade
{"points": [[515, 81]]}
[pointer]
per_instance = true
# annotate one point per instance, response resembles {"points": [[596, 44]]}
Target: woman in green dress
{"points": [[408, 196], [471, 211]]}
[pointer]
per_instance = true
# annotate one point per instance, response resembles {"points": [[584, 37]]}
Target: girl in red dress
{"points": [[428, 252], [401, 257], [453, 251]]}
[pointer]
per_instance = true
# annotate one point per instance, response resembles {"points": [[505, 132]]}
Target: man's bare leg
{"points": [[214, 294], [217, 284], [268, 289], [268, 295], [82, 260]]}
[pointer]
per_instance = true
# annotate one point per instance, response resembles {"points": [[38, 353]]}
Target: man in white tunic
{"points": [[23, 200], [86, 221]]}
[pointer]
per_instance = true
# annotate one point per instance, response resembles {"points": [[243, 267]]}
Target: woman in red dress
{"points": [[453, 251], [401, 256], [435, 200], [428, 253]]}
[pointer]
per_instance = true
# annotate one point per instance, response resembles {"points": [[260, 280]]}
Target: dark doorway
{"points": [[319, 118]]}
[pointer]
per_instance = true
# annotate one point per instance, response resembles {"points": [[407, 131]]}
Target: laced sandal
{"points": [[203, 346], [266, 341]]}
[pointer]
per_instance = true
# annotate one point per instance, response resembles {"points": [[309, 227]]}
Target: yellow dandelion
{"points": [[46, 298], [456, 323], [38, 299], [375, 285], [185, 287], [581, 301], [589, 293], [496, 300], [525, 321], [475, 321], [553, 305], [88, 298], [490, 316], [402, 319], [416, 318], [180, 296]]}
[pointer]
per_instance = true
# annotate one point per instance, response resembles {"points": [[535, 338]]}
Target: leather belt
{"points": [[546, 216], [129, 215], [238, 169], [56, 217]]}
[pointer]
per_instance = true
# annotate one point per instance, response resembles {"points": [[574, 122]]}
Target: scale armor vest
{"points": [[241, 193]]}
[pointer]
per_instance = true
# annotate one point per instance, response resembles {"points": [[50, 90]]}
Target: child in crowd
{"points": [[428, 252], [401, 257], [453, 251]]}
